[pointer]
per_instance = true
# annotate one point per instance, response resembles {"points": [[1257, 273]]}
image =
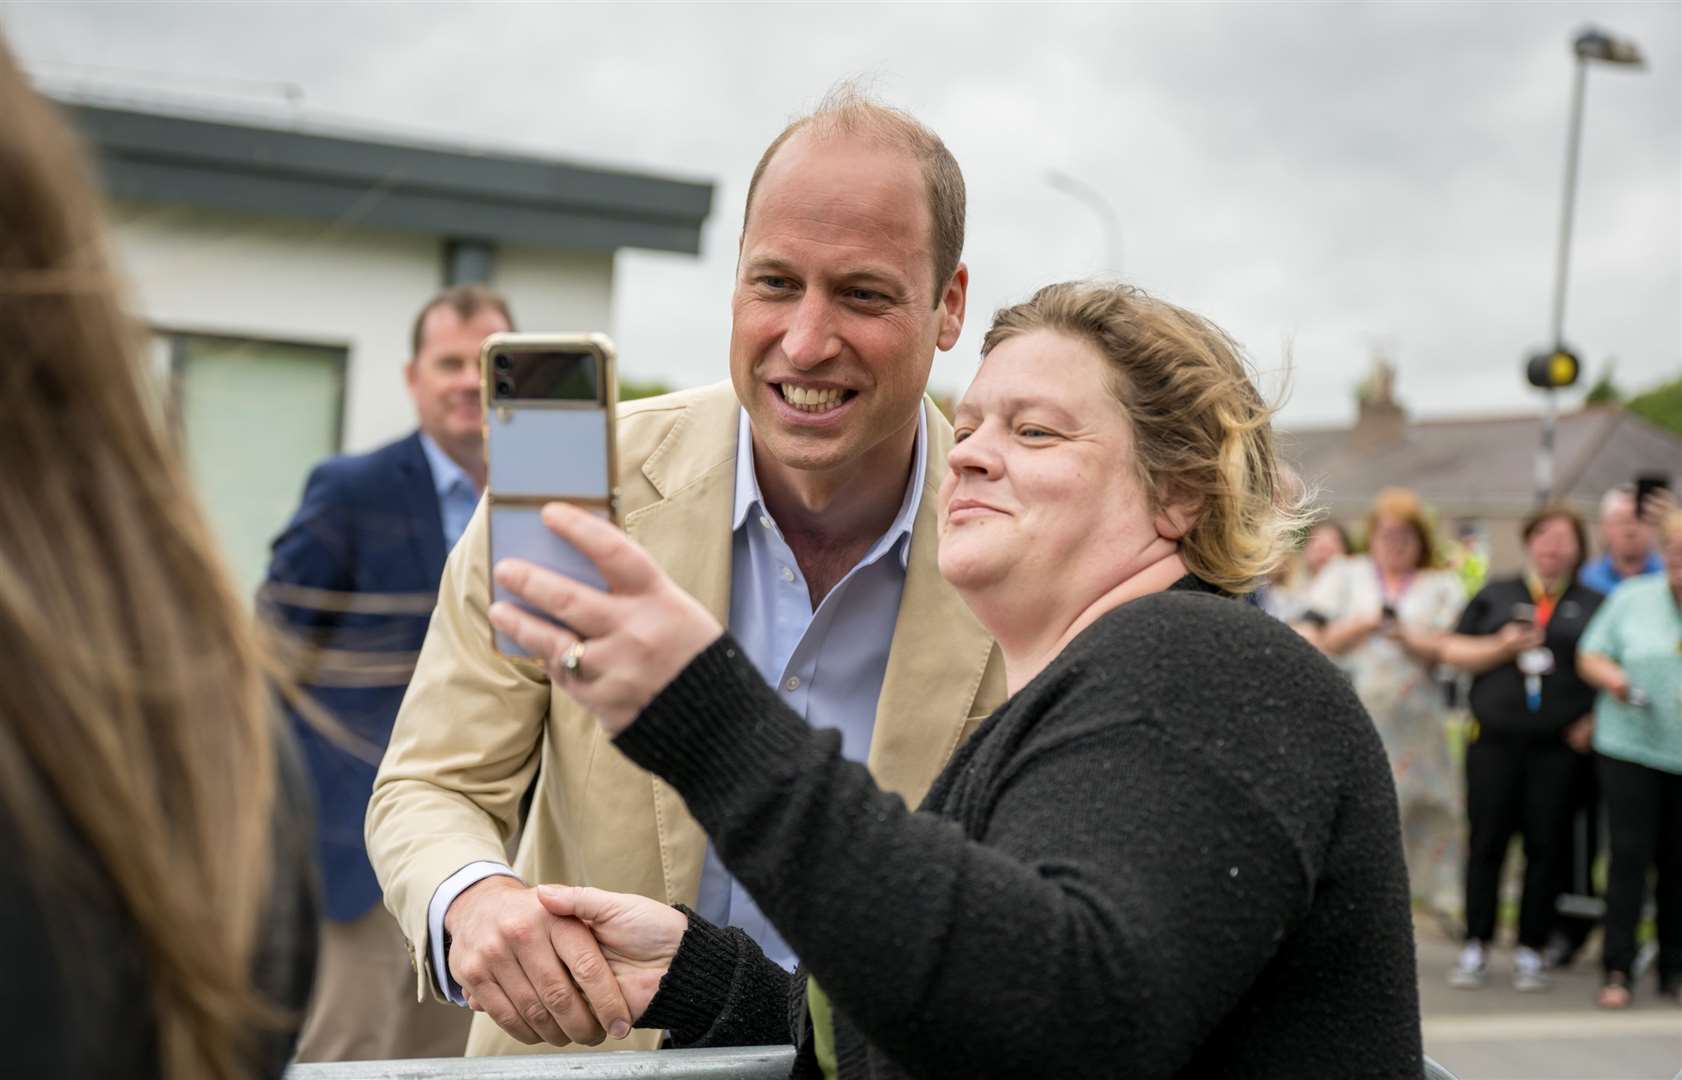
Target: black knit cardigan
{"points": [[1174, 853]]}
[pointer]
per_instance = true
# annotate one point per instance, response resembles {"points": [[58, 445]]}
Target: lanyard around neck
{"points": [[1544, 601]]}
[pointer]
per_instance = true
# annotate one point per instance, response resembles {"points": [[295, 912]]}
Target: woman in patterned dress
{"points": [[1380, 616]]}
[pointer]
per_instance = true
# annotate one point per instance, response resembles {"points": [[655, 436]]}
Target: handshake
{"points": [[558, 963]]}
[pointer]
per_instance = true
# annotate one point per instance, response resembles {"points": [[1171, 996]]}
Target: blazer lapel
{"points": [[944, 673], [420, 500], [688, 534]]}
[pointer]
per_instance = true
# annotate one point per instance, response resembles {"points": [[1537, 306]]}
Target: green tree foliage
{"points": [[1661, 405], [632, 389], [1604, 391]]}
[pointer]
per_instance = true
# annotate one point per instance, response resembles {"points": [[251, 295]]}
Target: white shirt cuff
{"points": [[442, 898]]}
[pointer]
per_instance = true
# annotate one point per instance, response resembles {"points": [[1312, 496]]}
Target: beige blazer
{"points": [[475, 728]]}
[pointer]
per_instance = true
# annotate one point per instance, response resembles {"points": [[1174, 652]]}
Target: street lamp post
{"points": [[1095, 199], [1590, 44]]}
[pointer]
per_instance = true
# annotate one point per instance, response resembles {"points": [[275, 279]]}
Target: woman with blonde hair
{"points": [[157, 908], [1381, 617], [1172, 851]]}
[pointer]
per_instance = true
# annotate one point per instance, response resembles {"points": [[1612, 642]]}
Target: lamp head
{"points": [[1595, 44]]}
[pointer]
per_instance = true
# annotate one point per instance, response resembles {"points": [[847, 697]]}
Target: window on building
{"points": [[253, 417]]}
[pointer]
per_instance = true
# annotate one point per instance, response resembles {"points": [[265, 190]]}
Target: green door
{"points": [[254, 417]]}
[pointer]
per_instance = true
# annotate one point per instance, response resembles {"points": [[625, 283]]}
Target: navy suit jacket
{"points": [[368, 524]]}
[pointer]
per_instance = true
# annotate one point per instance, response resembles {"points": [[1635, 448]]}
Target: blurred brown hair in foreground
{"points": [[137, 746]]}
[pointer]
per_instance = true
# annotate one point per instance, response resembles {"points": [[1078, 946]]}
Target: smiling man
{"points": [[797, 502]]}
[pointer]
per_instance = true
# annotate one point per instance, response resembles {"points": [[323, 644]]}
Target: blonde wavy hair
{"points": [[1202, 434]]}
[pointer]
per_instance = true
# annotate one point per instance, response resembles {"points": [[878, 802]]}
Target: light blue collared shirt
{"points": [[1600, 575], [457, 495], [827, 664]]}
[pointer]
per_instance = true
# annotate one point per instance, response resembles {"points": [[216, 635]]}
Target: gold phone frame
{"points": [[602, 347]]}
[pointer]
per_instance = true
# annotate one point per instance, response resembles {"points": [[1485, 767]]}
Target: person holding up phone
{"points": [[797, 502], [1173, 852], [1529, 738], [1632, 650], [1627, 547]]}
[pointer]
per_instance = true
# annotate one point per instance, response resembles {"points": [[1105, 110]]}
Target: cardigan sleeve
{"points": [[1122, 896], [721, 990]]}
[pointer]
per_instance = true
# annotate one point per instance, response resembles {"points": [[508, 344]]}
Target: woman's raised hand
{"points": [[623, 646]]}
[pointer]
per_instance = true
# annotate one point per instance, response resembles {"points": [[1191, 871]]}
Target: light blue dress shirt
{"points": [[1600, 576], [457, 495], [828, 664]]}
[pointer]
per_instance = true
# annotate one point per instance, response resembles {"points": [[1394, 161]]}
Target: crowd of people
{"points": [[1570, 710], [928, 746]]}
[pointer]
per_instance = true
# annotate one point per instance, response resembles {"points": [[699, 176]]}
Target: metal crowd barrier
{"points": [[738, 1063], [752, 1063]]}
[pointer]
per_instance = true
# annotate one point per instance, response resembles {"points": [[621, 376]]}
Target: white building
{"points": [[280, 271]]}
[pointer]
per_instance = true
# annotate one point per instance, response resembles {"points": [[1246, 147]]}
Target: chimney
{"points": [[1380, 420]]}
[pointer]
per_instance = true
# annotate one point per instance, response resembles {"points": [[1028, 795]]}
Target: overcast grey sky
{"points": [[1335, 177]]}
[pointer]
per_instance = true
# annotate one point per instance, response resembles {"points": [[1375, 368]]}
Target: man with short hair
{"points": [[353, 579], [797, 503], [1627, 543]]}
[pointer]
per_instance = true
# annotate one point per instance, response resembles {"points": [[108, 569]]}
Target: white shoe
{"points": [[1530, 971], [1471, 971]]}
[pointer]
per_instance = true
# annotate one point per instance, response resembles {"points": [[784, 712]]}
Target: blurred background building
{"points": [[279, 271], [1478, 473]]}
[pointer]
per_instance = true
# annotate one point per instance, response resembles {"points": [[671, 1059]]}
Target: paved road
{"points": [[1499, 1034]]}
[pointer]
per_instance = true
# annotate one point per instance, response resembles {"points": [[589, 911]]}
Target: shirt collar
{"points": [[750, 502], [447, 476]]}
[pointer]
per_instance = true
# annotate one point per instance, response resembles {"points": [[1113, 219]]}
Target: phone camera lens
{"points": [[504, 362], [504, 387]]}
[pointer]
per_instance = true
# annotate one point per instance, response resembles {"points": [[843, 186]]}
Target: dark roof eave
{"points": [[159, 158]]}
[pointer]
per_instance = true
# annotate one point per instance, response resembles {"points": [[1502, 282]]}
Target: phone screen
{"points": [[549, 436], [521, 375]]}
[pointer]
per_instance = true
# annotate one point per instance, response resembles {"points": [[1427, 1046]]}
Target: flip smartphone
{"points": [[549, 404]]}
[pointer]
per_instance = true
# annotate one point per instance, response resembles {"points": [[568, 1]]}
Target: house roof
{"points": [[1481, 466], [402, 186]]}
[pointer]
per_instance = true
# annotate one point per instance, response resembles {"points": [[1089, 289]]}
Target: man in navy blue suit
{"points": [[353, 578]]}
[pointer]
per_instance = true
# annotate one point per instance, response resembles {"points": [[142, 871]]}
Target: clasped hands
{"points": [[560, 964]]}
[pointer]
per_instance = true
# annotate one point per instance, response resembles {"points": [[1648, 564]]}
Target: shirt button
{"points": [[793, 682], [788, 575], [765, 521]]}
